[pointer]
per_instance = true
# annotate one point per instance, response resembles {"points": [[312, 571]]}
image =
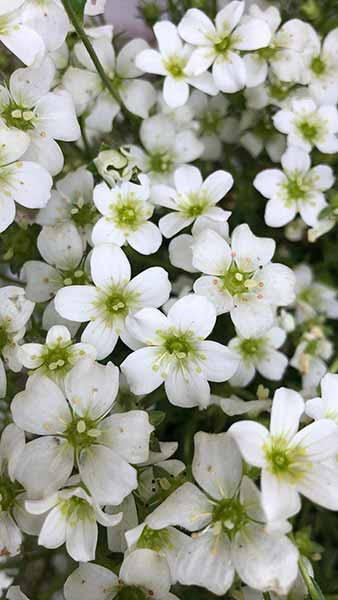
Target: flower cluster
{"points": [[168, 284]]}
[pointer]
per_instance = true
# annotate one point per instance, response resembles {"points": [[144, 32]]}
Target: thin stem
{"points": [[312, 586], [266, 595], [86, 42]]}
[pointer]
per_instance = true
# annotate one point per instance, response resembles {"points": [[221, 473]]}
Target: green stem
{"points": [[266, 595], [87, 44], [313, 588]]}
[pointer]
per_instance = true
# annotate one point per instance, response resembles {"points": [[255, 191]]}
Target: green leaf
{"points": [[156, 417]]}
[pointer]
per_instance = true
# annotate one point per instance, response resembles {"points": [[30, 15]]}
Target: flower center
{"points": [[76, 509], [318, 65], [129, 212], [193, 204], [81, 433], [116, 303], [253, 347], [309, 131], [179, 345], [8, 493], [75, 277], [19, 117], [175, 66], [160, 163], [83, 214], [210, 121], [296, 188], [231, 514], [132, 592], [236, 282], [267, 53], [279, 91], [154, 539], [285, 460], [223, 45]]}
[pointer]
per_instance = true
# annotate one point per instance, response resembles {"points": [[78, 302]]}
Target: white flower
{"points": [[313, 298], [231, 525], [24, 182], [322, 69], [241, 278], [191, 198], [42, 116], [256, 135], [56, 357], [72, 202], [180, 248], [19, 38], [308, 125], [80, 432], [113, 297], [126, 211], [309, 358], [220, 44], [234, 406], [297, 188], [259, 354], [172, 62], [325, 407], [175, 352], [166, 148], [12, 444], [292, 462], [86, 87], [214, 126], [72, 519], [15, 310], [49, 20], [143, 574]]}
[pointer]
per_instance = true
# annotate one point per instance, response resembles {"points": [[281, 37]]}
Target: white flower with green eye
{"points": [[71, 517], [259, 354], [191, 199], [297, 188], [166, 148], [220, 44], [42, 116], [171, 61], [307, 125], [113, 297], [325, 407], [79, 431], [126, 211], [292, 461], [56, 357], [21, 181], [144, 575], [19, 38], [230, 534], [175, 352], [321, 72], [310, 358]]}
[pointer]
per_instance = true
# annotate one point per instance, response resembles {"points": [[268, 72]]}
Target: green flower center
{"points": [[116, 303], [296, 188], [252, 348], [75, 277], [223, 45], [318, 65], [175, 66], [153, 539], [179, 344], [132, 592], [8, 493], [129, 212], [236, 282], [82, 432], [284, 460], [160, 163], [76, 509], [193, 205], [4, 337], [83, 214], [268, 53], [231, 514], [279, 91], [309, 131], [210, 121], [57, 357], [18, 116]]}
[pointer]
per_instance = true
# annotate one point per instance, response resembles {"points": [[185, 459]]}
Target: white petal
{"points": [[145, 324], [53, 532], [251, 251], [57, 118], [125, 62], [175, 92], [90, 581], [81, 539], [253, 34], [229, 73], [46, 152], [196, 28], [128, 435], [91, 388], [256, 69], [318, 440], [252, 318], [311, 208], [186, 507], [273, 365], [50, 23], [296, 159], [193, 313], [108, 477], [287, 408], [43, 281], [138, 96], [320, 485], [279, 284], [324, 178], [212, 289], [61, 245], [10, 535], [146, 240], [150, 61], [217, 185], [76, 302], [173, 223], [187, 389], [188, 179], [211, 253], [109, 266], [100, 335], [147, 569], [217, 464], [268, 182], [220, 362], [152, 286], [280, 498], [138, 368], [7, 212], [168, 40], [250, 438], [24, 42], [279, 213]]}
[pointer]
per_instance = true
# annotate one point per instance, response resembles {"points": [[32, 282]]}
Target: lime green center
{"points": [[18, 116], [175, 66], [81, 433], [268, 53], [116, 303], [285, 461], [252, 348], [4, 337], [279, 91], [57, 357], [160, 163], [75, 277], [296, 188], [153, 539], [193, 205], [236, 282], [231, 514], [129, 213], [83, 214], [223, 45], [179, 344], [309, 131], [132, 592], [210, 122], [8, 493], [318, 65], [76, 509]]}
